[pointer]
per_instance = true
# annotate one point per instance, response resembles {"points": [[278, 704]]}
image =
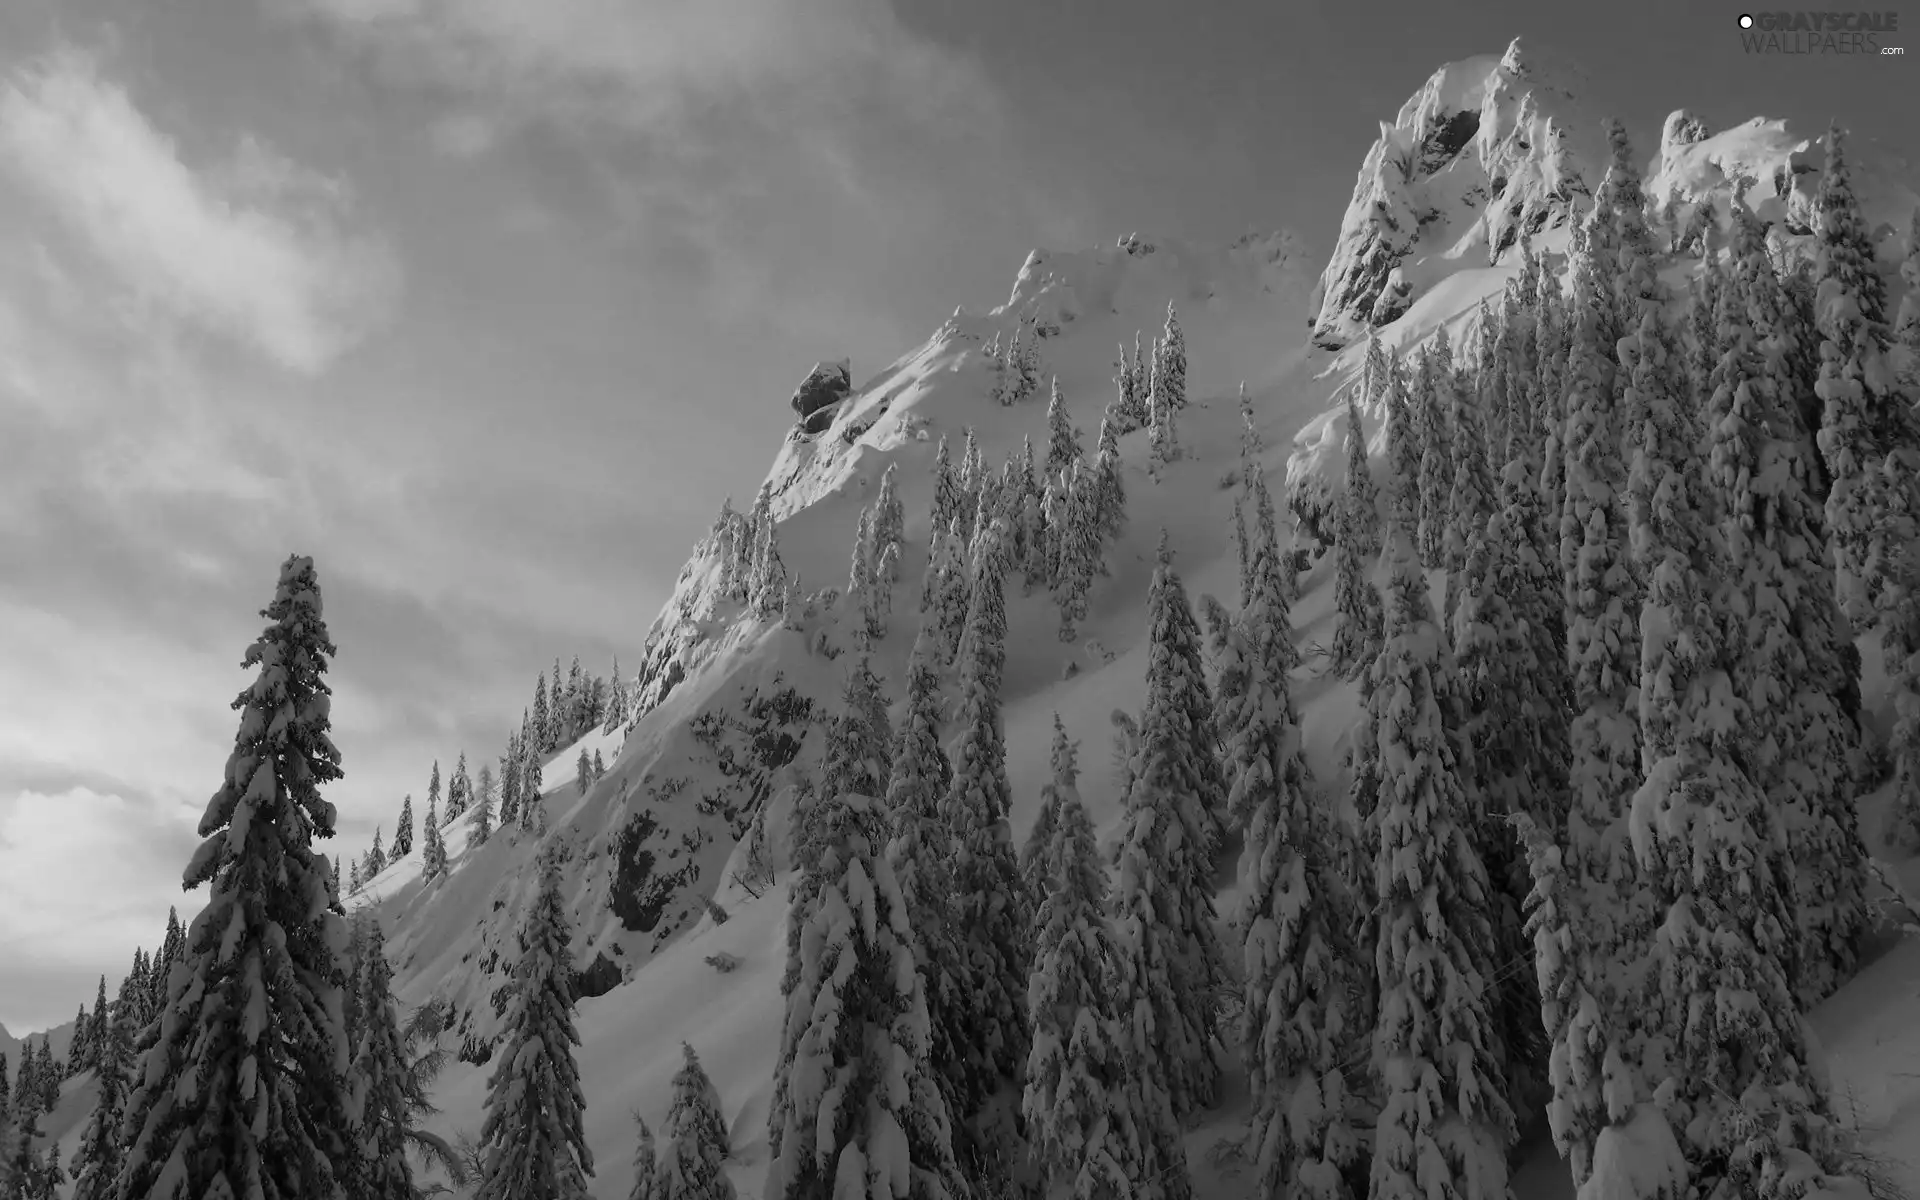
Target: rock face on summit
{"points": [[827, 384], [1489, 149]]}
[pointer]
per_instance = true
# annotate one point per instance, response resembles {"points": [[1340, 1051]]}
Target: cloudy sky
{"points": [[486, 304]]}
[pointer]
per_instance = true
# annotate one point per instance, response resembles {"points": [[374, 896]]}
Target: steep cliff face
{"points": [[1487, 150]]}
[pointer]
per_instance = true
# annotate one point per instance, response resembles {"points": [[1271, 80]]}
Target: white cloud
{"points": [[665, 59], [81, 873], [254, 248]]}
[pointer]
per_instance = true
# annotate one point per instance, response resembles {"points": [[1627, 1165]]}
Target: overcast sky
{"points": [[486, 304]]}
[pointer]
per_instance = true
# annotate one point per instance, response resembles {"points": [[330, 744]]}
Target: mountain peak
{"points": [[1490, 148]]}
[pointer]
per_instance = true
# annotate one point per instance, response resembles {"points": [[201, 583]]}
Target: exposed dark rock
{"points": [[827, 383], [817, 421], [597, 980], [1441, 144]]}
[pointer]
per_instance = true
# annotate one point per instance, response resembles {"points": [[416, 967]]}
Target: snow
{"points": [[1782, 169]]}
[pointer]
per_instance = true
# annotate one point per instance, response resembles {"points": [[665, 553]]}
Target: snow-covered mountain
{"points": [[672, 942], [1488, 149]]}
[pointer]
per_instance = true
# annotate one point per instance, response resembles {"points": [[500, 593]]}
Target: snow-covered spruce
{"points": [[919, 850], [1603, 658], [1440, 1095], [1864, 415], [1585, 1067], [857, 1108], [1433, 399], [254, 1009], [97, 1162], [645, 1164], [1782, 617], [1356, 633], [1514, 699], [1403, 448], [1163, 901], [1297, 952], [1711, 850], [535, 1148], [377, 1084], [1471, 501], [1036, 870], [1100, 1126], [986, 904], [402, 831], [433, 847], [692, 1164]]}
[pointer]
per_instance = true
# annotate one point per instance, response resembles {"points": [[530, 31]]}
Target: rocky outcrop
{"points": [[1777, 172], [828, 383], [1488, 150]]}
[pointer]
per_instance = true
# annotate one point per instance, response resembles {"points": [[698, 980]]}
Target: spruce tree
{"points": [[376, 857], [646, 1182], [1782, 618], [353, 878], [771, 582], [692, 1167], [1036, 871], [1472, 500], [1162, 440], [1100, 1124], [1435, 400], [616, 699], [1864, 415], [948, 592], [541, 722], [97, 1163], [919, 852], [433, 848], [377, 1108], [987, 904], [1435, 1057], [1583, 1055], [1513, 699], [1356, 603], [1163, 903], [77, 1045], [403, 831], [1706, 842], [1603, 653], [1299, 1023], [1063, 443], [856, 1031], [946, 488], [265, 1115], [510, 787], [1079, 550], [433, 786], [483, 804], [1172, 362], [1109, 489], [459, 789], [583, 771], [859, 594], [535, 1148], [556, 733]]}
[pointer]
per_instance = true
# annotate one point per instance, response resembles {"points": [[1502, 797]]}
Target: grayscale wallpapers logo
{"points": [[1806, 32]]}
